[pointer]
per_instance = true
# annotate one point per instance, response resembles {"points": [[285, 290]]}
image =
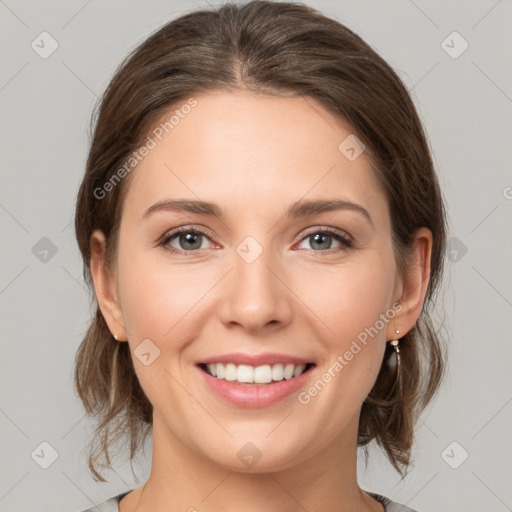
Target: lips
{"points": [[253, 381], [269, 358], [255, 369]]}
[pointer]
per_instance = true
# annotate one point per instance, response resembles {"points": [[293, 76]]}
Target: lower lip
{"points": [[254, 396]]}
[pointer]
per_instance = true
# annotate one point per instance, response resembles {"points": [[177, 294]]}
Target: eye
{"points": [[322, 240], [188, 240]]}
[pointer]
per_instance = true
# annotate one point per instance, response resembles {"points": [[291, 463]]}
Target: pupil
{"points": [[190, 238], [320, 240]]}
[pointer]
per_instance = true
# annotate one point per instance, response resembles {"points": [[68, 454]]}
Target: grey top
{"points": [[112, 505]]}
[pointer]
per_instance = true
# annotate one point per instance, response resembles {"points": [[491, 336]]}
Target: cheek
{"points": [[353, 309], [156, 296], [349, 299], [157, 302]]}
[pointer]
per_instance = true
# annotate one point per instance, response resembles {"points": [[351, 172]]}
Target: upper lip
{"points": [[269, 358]]}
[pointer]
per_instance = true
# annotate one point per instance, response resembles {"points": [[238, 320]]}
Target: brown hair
{"points": [[275, 48]]}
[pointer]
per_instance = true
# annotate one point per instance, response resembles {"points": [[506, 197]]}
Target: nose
{"points": [[255, 295]]}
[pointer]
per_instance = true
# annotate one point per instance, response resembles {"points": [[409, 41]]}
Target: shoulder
{"points": [[391, 506], [111, 505]]}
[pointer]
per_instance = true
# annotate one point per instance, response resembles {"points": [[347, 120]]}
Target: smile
{"points": [[247, 374]]}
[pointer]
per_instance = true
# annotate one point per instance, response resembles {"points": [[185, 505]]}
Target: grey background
{"points": [[466, 105]]}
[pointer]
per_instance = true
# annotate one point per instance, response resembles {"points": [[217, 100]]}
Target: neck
{"points": [[182, 479]]}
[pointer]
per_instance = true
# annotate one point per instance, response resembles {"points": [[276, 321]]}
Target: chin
{"points": [[254, 457]]}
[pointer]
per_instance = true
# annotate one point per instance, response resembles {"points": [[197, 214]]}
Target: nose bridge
{"points": [[255, 296]]}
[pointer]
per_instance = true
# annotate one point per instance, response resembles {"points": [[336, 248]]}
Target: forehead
{"points": [[250, 150]]}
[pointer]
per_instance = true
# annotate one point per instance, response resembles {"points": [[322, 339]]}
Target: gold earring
{"points": [[396, 345]]}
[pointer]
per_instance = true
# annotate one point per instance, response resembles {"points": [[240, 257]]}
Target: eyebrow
{"points": [[298, 209]]}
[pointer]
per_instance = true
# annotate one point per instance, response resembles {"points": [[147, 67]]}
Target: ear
{"points": [[414, 284], [105, 287]]}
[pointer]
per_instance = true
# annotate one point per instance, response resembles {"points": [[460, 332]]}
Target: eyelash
{"points": [[346, 242]]}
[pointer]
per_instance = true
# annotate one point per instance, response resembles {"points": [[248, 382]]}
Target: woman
{"points": [[264, 233]]}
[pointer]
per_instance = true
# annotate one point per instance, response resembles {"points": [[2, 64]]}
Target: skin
{"points": [[254, 155]]}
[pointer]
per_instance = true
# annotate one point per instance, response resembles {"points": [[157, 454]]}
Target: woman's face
{"points": [[254, 284]]}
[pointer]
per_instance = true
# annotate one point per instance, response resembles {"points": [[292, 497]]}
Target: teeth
{"points": [[244, 373], [288, 371], [298, 370], [230, 372], [278, 372], [264, 374]]}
